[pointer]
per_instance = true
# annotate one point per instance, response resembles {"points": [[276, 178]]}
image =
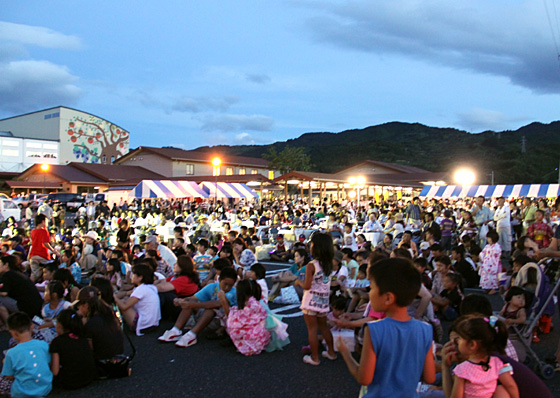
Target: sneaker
{"points": [[325, 354], [170, 336], [307, 359], [187, 340]]}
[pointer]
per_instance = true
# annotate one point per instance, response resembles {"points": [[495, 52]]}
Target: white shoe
{"points": [[187, 340], [170, 336]]}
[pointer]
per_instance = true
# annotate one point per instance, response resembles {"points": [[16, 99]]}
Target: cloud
{"points": [[513, 40], [478, 120], [37, 36], [202, 104], [228, 123], [28, 85], [259, 78]]}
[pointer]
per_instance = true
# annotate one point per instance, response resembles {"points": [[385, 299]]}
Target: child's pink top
{"points": [[374, 314], [480, 383]]}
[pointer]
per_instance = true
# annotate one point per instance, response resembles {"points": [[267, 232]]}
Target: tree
{"points": [[289, 159], [94, 138]]}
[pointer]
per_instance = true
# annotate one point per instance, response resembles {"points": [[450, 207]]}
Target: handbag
{"points": [[118, 366]]}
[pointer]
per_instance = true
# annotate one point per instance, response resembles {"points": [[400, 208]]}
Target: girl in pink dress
{"points": [[478, 375], [491, 264], [246, 322]]}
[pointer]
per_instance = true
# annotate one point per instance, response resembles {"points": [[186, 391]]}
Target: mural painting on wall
{"points": [[96, 140]]}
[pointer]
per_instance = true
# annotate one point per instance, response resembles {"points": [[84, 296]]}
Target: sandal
{"points": [[307, 359], [325, 354]]}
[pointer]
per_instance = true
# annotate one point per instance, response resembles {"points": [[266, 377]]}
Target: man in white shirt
{"points": [[372, 225], [152, 243], [502, 217]]}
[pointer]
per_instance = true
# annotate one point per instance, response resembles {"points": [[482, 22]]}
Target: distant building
{"points": [[175, 163], [59, 136]]}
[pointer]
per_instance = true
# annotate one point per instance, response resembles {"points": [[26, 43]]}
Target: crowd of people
{"points": [[378, 280]]}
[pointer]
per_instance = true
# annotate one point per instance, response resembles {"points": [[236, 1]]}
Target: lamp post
{"points": [[216, 162], [45, 168], [357, 183]]}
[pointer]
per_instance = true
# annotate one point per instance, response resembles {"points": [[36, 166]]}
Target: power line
{"points": [[552, 27]]}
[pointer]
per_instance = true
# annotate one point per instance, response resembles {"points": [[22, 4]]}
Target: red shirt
{"points": [[40, 236], [184, 286]]}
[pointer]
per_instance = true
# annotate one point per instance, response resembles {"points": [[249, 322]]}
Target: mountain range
{"points": [[530, 154]]}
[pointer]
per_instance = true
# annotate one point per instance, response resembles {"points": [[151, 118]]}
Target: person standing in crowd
{"points": [[40, 247], [482, 215], [502, 217], [528, 214]]}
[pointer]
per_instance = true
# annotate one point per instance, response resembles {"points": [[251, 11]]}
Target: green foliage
{"points": [[428, 148], [289, 159]]}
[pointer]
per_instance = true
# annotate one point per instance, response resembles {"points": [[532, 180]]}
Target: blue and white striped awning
{"points": [[167, 189], [492, 191], [228, 190]]}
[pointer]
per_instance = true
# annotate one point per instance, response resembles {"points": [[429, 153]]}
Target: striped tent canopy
{"points": [[167, 189], [228, 190], [492, 191]]}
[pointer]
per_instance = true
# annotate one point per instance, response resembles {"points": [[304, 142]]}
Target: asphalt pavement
{"points": [[209, 370]]}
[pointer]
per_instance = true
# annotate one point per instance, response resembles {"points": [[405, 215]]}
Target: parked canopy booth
{"points": [[228, 190], [492, 191], [167, 189]]}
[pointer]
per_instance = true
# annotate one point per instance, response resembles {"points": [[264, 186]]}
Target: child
{"points": [[400, 344], [447, 227], [348, 238], [25, 375], [54, 297], [315, 302], [65, 276], [69, 261], [514, 310], [360, 290], [142, 310], [491, 265], [73, 365], [246, 322], [478, 376], [338, 306], [258, 274], [448, 302], [114, 274], [351, 264], [207, 300]]}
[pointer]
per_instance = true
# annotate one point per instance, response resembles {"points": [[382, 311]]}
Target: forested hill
{"points": [[430, 148]]}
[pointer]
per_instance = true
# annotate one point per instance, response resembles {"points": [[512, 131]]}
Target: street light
{"points": [[45, 168], [357, 183], [216, 162], [464, 177]]}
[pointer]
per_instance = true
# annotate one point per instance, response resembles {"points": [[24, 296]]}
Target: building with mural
{"points": [[60, 136]]}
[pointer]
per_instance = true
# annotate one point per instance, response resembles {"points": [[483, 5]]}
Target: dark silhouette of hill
{"points": [[431, 148]]}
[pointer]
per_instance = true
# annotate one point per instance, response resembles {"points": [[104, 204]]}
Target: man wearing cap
{"points": [[152, 243], [425, 251], [40, 246], [93, 254]]}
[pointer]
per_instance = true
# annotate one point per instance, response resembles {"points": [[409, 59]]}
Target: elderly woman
{"points": [[92, 254]]}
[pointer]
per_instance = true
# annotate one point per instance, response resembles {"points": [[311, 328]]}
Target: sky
{"points": [[193, 73]]}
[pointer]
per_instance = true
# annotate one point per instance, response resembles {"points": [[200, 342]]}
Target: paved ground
{"points": [[209, 370]]}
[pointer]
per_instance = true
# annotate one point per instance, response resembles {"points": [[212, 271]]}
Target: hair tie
{"points": [[492, 322]]}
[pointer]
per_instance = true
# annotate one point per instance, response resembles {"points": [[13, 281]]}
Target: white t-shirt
{"points": [[147, 307], [264, 288], [342, 272], [168, 255]]}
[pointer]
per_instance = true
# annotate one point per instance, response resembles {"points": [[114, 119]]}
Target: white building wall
{"points": [[18, 154], [43, 125]]}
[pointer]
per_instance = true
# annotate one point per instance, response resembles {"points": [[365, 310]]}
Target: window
{"points": [[50, 146], [271, 174], [33, 154], [10, 152], [189, 169], [34, 145], [10, 143], [242, 171], [229, 171], [104, 158], [112, 159], [254, 171]]}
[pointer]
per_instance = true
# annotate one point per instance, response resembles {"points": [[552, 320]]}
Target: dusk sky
{"points": [[192, 73]]}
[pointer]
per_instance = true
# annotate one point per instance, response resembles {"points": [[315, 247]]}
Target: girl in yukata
{"points": [[491, 264]]}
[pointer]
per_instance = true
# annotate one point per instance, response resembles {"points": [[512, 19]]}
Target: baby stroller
{"points": [[541, 304]]}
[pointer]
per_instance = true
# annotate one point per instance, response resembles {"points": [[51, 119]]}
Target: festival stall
{"points": [[167, 189], [491, 191], [228, 190]]}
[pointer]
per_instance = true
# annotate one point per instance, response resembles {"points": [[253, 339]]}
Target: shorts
{"points": [[314, 313]]}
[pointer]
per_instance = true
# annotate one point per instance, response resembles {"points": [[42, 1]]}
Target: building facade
{"points": [[59, 136]]}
